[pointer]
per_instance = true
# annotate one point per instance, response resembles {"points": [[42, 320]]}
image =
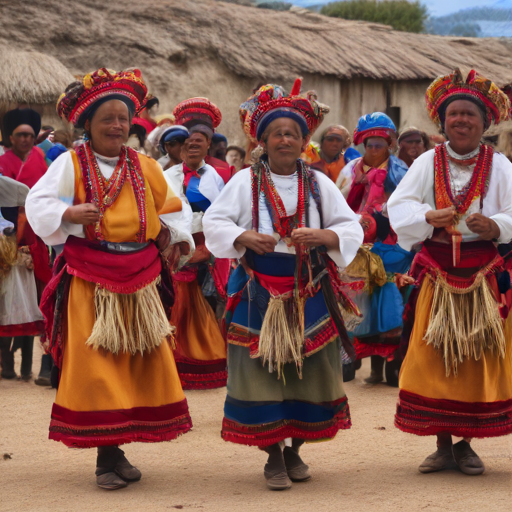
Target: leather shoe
{"points": [[466, 458], [437, 461], [110, 481], [297, 470], [125, 470]]}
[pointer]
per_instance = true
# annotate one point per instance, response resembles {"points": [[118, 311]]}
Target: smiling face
{"points": [[284, 143], [195, 150], [463, 126], [109, 128]]}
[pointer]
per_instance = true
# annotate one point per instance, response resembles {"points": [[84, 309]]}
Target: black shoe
{"points": [[43, 381], [9, 375]]}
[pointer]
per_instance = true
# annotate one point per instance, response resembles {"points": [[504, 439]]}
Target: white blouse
{"points": [[231, 214], [414, 197], [210, 186]]}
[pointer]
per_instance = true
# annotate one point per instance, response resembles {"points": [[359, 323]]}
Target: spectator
{"points": [[235, 156]]}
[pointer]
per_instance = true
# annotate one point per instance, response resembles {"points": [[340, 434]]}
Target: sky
{"points": [[437, 7], [443, 7]]}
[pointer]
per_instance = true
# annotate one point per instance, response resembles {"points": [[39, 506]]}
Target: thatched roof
{"points": [[28, 77], [165, 36]]}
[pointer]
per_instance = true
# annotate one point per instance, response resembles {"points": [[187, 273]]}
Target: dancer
{"points": [[105, 325], [456, 199], [200, 347], [291, 228]]}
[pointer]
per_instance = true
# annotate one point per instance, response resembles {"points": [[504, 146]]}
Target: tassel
{"points": [[282, 335], [8, 253], [296, 87], [464, 322], [131, 323]]}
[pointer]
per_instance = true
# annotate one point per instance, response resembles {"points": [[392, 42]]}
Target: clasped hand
{"points": [[85, 214]]}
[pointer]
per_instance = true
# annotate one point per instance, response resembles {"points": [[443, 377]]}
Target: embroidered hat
{"points": [[377, 124], [197, 111], [83, 97], [270, 102], [476, 88]]}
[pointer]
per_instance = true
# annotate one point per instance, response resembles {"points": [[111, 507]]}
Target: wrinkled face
{"points": [[413, 146], [173, 149], [464, 125], [109, 127], [283, 142], [234, 158], [332, 144], [22, 139], [377, 150], [195, 149]]}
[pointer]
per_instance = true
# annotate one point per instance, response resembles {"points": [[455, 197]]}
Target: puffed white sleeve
{"points": [[503, 183], [228, 217], [408, 204], [180, 223], [339, 217], [50, 197]]}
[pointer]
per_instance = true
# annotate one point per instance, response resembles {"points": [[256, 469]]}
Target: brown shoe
{"points": [[466, 458], [125, 470], [296, 469], [110, 481], [277, 481], [437, 461]]}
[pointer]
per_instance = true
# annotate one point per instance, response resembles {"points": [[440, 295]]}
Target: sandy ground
{"points": [[372, 467]]}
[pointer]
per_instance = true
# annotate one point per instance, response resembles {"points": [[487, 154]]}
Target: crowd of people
{"points": [[152, 256]]}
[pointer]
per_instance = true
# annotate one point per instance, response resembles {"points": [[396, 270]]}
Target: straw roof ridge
{"points": [[164, 37], [31, 77]]}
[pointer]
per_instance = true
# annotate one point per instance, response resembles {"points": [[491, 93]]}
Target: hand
{"points": [[312, 237], [259, 243], [85, 214], [441, 218], [201, 254], [486, 228], [172, 253]]}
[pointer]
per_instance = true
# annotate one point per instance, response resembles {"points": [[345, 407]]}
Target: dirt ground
{"points": [[372, 467]]}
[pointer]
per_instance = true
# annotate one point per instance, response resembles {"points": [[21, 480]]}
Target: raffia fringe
{"points": [[133, 323], [8, 254], [464, 322], [282, 334]]}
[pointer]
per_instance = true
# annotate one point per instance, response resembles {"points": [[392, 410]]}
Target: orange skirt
{"points": [[200, 347], [106, 399], [475, 403]]}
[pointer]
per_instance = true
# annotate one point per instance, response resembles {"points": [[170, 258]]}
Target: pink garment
{"points": [[376, 195], [29, 171]]}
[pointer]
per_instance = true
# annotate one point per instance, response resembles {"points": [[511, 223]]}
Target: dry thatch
{"points": [[28, 77], [165, 36]]}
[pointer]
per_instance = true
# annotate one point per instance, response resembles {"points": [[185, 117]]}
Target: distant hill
{"points": [[493, 21]]}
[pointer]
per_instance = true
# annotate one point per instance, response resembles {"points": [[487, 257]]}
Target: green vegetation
{"points": [[400, 14]]}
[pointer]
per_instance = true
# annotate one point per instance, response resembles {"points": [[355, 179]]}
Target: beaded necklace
{"points": [[104, 192], [476, 187]]}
